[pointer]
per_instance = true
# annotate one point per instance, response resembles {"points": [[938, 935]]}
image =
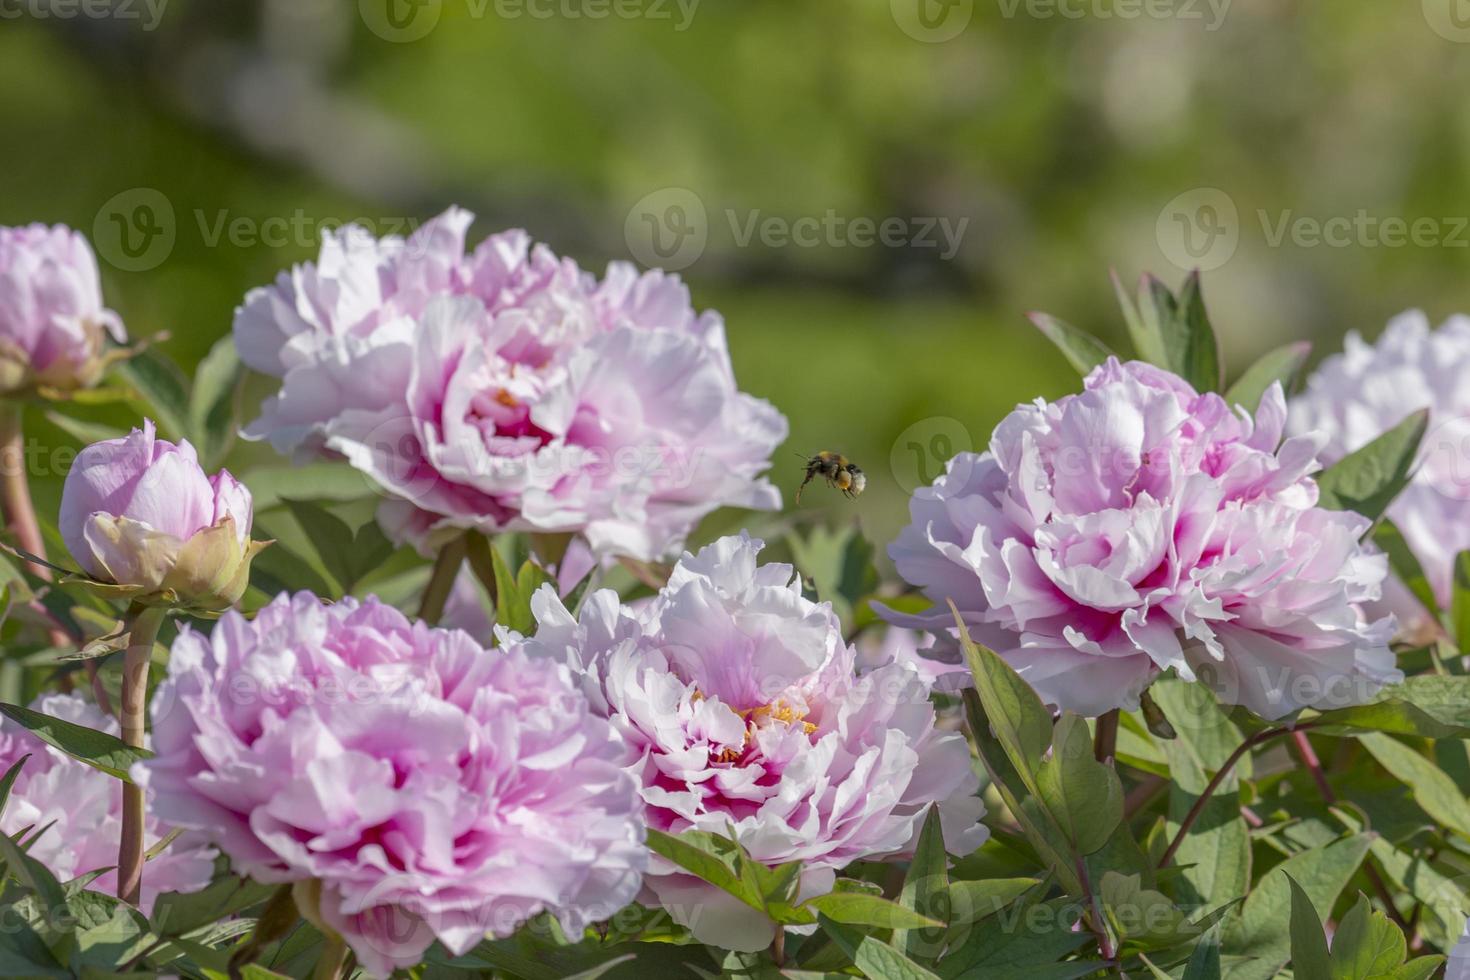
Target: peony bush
{"points": [[1168, 681]]}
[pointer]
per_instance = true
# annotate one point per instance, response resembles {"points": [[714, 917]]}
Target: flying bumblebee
{"points": [[837, 470]]}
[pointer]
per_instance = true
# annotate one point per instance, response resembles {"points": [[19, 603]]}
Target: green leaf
{"points": [[1417, 876], [212, 421], [348, 555], [1022, 943], [329, 535], [925, 891], [1040, 830], [1434, 791], [512, 592], [1282, 364], [1204, 962], [1404, 563], [971, 901], [873, 957], [1216, 854], [1147, 343], [1015, 712], [1263, 929], [709, 857], [1142, 915], [859, 909], [1460, 602], [1081, 349], [176, 914], [161, 385], [279, 569], [37, 877], [336, 482], [8, 780], [1189, 340], [1366, 481], [839, 563], [1084, 796], [1419, 968], [97, 749], [83, 431], [1433, 706], [1366, 944], [23, 953], [1308, 941]]}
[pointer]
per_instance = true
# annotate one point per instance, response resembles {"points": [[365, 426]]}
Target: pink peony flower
{"points": [[1138, 527], [508, 389], [81, 811], [1355, 396], [52, 321], [430, 788], [140, 513], [743, 707]]}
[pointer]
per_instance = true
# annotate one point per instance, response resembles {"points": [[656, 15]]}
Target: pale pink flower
{"points": [[139, 512], [430, 787], [1139, 527], [1355, 396], [509, 389], [53, 324], [78, 811], [745, 712]]}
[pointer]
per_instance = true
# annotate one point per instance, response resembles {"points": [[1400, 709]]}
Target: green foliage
{"points": [[1201, 852], [97, 749], [1367, 480], [348, 555], [1082, 350], [1365, 946], [1282, 365]]}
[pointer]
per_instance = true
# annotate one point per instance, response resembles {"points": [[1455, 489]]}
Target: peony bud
{"points": [[53, 325], [141, 518]]}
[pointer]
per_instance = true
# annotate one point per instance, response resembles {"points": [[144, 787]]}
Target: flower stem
{"points": [[1095, 918], [144, 622], [15, 490], [441, 580], [333, 958], [20, 518], [1105, 741], [1308, 755], [1213, 785]]}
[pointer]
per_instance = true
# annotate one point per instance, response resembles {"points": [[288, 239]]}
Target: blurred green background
{"points": [[1064, 136]]}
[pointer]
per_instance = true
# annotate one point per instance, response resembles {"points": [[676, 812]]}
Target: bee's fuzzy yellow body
{"points": [[837, 470]]}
